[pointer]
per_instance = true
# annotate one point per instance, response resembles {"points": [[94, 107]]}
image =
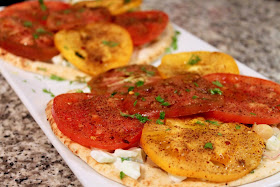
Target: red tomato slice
{"points": [[95, 121], [26, 39], [119, 80], [177, 96], [248, 100], [144, 26], [73, 17]]}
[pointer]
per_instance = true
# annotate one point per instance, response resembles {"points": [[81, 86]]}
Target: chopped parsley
{"points": [[126, 1], [110, 43], [217, 83], [141, 118], [213, 122], [57, 78], [237, 127], [27, 24], [130, 89], [194, 60], [208, 145], [188, 90], [122, 175], [42, 5], [79, 91], [196, 85], [161, 100], [220, 134], [79, 55], [161, 115], [216, 91], [194, 97], [24, 81], [174, 44], [168, 129], [135, 102], [40, 31], [149, 73], [143, 99], [199, 122], [139, 83], [253, 171], [159, 122], [124, 158], [48, 92], [67, 11], [126, 115], [253, 114], [114, 93], [136, 93]]}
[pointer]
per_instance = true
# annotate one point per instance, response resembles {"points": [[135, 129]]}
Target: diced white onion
{"points": [[102, 156]]}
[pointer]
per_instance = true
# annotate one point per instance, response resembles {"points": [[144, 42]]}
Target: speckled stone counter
{"points": [[249, 30]]}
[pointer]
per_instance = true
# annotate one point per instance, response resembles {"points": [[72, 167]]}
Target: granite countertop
{"points": [[249, 30]]}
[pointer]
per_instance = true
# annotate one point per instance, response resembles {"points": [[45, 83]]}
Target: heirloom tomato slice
{"points": [[143, 26], [96, 47], [247, 99], [95, 121]]}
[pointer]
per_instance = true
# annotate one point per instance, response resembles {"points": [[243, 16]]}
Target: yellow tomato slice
{"points": [[95, 48], [114, 6], [203, 149], [201, 62]]}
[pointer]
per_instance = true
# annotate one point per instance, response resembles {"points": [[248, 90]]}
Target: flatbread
{"points": [[142, 55], [151, 175]]}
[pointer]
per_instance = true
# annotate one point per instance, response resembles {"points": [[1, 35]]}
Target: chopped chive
{"points": [[48, 92], [57, 78], [79, 91], [199, 122], [196, 85], [127, 115], [213, 122], [253, 114], [125, 158], [110, 43]]}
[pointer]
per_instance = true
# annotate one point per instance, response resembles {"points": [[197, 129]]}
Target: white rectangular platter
{"points": [[29, 87]]}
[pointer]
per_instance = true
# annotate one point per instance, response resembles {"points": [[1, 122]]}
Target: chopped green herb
{"points": [[44, 17], [24, 81], [126, 1], [220, 134], [35, 35], [122, 175], [57, 78], [127, 115], [143, 99], [174, 43], [66, 47], [216, 91], [199, 122], [48, 92], [82, 10], [81, 79], [89, 87], [176, 91], [168, 129], [125, 158], [114, 93], [27, 24], [41, 69], [161, 115], [79, 91], [149, 73], [79, 55], [196, 85], [253, 114], [188, 90], [33, 91], [194, 60], [139, 83], [135, 102], [141, 118], [159, 99], [41, 30], [165, 104], [159, 122], [237, 127], [67, 11], [194, 97], [208, 145], [130, 89], [253, 171], [42, 5], [110, 43], [217, 83], [136, 93], [213, 122]]}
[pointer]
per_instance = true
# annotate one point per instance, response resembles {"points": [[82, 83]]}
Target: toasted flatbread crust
{"points": [[151, 175], [145, 55]]}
